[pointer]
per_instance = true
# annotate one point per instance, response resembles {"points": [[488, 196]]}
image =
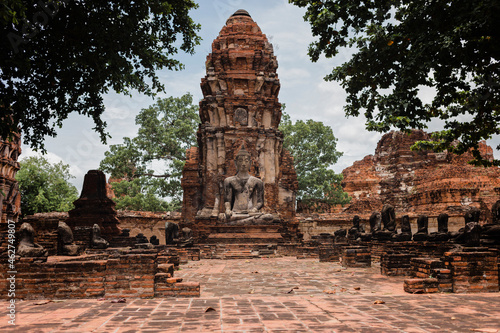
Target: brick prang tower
{"points": [[240, 109]]}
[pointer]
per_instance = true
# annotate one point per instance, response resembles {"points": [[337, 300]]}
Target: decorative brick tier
{"points": [[117, 273], [356, 256]]}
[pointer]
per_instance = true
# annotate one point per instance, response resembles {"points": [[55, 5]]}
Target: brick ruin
{"points": [[10, 199], [117, 273], [94, 207], [420, 182], [125, 269], [414, 182], [240, 109]]}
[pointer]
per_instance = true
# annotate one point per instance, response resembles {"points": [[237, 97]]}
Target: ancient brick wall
{"points": [[35, 280], [414, 249], [132, 273], [147, 223], [469, 271], [356, 256]]}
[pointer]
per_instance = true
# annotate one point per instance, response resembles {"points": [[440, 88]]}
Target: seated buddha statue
{"points": [[244, 195]]}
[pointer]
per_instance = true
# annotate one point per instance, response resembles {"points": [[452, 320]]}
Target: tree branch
{"points": [[157, 176]]}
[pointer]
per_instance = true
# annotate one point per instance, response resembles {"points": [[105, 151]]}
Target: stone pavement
{"points": [[270, 295]]}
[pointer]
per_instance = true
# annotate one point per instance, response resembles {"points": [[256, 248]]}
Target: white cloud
{"points": [[53, 158]]}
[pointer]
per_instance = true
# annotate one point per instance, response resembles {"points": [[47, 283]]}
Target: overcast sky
{"points": [[303, 90]]}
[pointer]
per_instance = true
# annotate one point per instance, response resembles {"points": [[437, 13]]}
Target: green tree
{"points": [[401, 46], [45, 187], [60, 56], [314, 149], [166, 130]]}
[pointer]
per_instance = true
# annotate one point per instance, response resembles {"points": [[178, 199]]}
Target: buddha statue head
{"points": [[243, 161]]}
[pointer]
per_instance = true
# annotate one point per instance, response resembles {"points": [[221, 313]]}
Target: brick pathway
{"points": [[271, 295]]}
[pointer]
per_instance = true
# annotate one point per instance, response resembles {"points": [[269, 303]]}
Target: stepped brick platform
{"points": [[237, 251], [245, 234], [245, 238], [431, 276], [472, 270]]}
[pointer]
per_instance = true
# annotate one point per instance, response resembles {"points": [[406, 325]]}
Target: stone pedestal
{"points": [[356, 256], [395, 264], [330, 253]]}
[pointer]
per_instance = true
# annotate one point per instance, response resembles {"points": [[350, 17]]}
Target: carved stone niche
{"points": [[241, 116]]}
